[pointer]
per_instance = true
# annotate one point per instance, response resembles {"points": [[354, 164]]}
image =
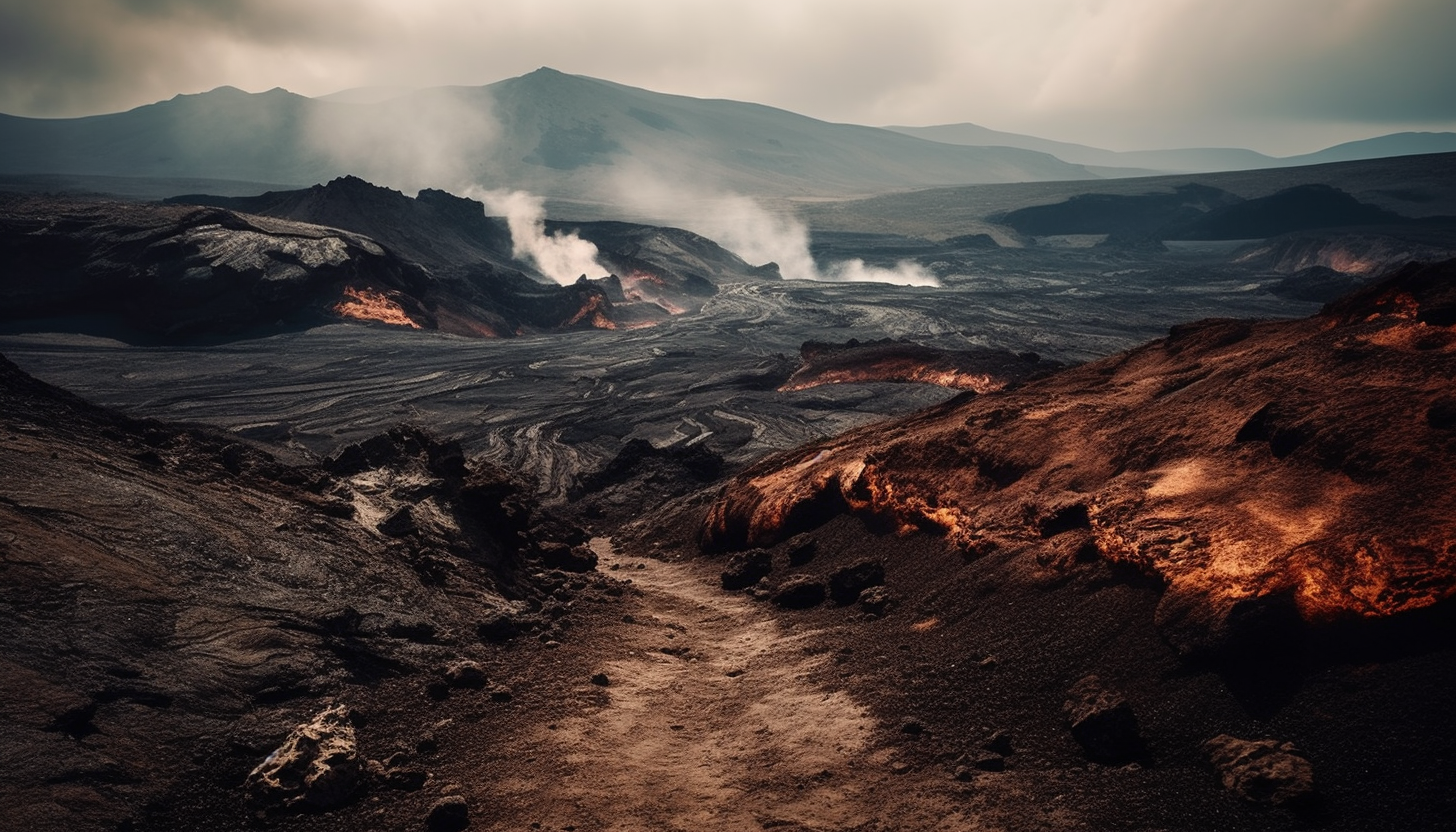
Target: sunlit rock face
{"points": [[906, 362], [1301, 471]]}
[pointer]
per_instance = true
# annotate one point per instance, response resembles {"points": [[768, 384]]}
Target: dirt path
{"points": [[712, 721]]}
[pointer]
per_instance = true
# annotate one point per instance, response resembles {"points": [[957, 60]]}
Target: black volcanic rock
{"points": [[1262, 771], [799, 593], [1233, 427], [1316, 283], [668, 269], [435, 229], [1199, 212], [1102, 722], [846, 584], [167, 625], [1293, 209], [904, 361], [1137, 216], [744, 569], [177, 273]]}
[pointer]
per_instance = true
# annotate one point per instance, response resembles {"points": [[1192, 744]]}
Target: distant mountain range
{"points": [[573, 138], [554, 134], [1184, 160]]}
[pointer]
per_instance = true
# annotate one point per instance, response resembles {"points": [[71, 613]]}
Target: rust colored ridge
{"points": [[1300, 466], [887, 360], [372, 305]]}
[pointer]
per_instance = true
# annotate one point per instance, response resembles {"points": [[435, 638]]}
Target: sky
{"points": [[1278, 76]]}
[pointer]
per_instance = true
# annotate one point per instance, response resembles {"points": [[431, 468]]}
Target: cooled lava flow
{"points": [[1256, 469], [907, 362]]}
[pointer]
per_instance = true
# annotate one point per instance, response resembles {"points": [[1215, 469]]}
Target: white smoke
{"points": [[745, 227], [430, 139], [561, 257]]}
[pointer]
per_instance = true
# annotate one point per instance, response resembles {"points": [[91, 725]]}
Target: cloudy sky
{"points": [[1280, 76]]}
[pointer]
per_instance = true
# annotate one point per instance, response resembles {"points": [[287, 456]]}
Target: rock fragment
{"points": [[465, 674], [1262, 771], [317, 767], [745, 569], [449, 814], [846, 585], [876, 600], [799, 593], [801, 549], [1102, 722]]}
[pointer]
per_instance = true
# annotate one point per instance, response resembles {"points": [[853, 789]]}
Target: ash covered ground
{"points": [[557, 406]]}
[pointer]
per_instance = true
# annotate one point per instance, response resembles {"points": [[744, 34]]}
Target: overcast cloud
{"points": [[1282, 76]]}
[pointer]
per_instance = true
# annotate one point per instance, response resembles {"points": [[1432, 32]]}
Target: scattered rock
{"points": [[900, 768], [801, 549], [317, 766], [876, 600], [600, 679], [568, 558], [395, 772], [999, 742], [912, 726], [500, 693], [465, 674], [799, 593], [498, 628], [1102, 722], [449, 814], [846, 585], [745, 569], [1262, 771], [988, 762], [964, 773]]}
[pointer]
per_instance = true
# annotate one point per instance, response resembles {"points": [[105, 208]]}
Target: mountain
{"points": [[548, 132], [1183, 160]]}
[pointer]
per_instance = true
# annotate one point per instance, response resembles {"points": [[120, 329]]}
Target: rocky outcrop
{"points": [[888, 360], [175, 273], [1262, 771], [317, 767], [177, 600], [184, 273], [1271, 476], [656, 271]]}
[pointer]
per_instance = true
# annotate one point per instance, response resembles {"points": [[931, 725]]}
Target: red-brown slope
{"points": [[1256, 468]]}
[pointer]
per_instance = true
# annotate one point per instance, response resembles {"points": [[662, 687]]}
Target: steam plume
{"points": [[743, 226], [561, 257]]}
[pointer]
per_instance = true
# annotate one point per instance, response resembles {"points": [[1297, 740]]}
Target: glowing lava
{"points": [[372, 305]]}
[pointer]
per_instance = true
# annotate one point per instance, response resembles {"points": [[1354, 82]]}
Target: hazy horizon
{"points": [[1282, 79]]}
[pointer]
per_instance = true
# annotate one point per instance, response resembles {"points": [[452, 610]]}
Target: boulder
{"points": [[1262, 771], [317, 767], [1102, 722], [449, 814]]}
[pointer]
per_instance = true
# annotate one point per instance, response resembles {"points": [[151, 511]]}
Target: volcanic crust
{"points": [[1269, 475]]}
